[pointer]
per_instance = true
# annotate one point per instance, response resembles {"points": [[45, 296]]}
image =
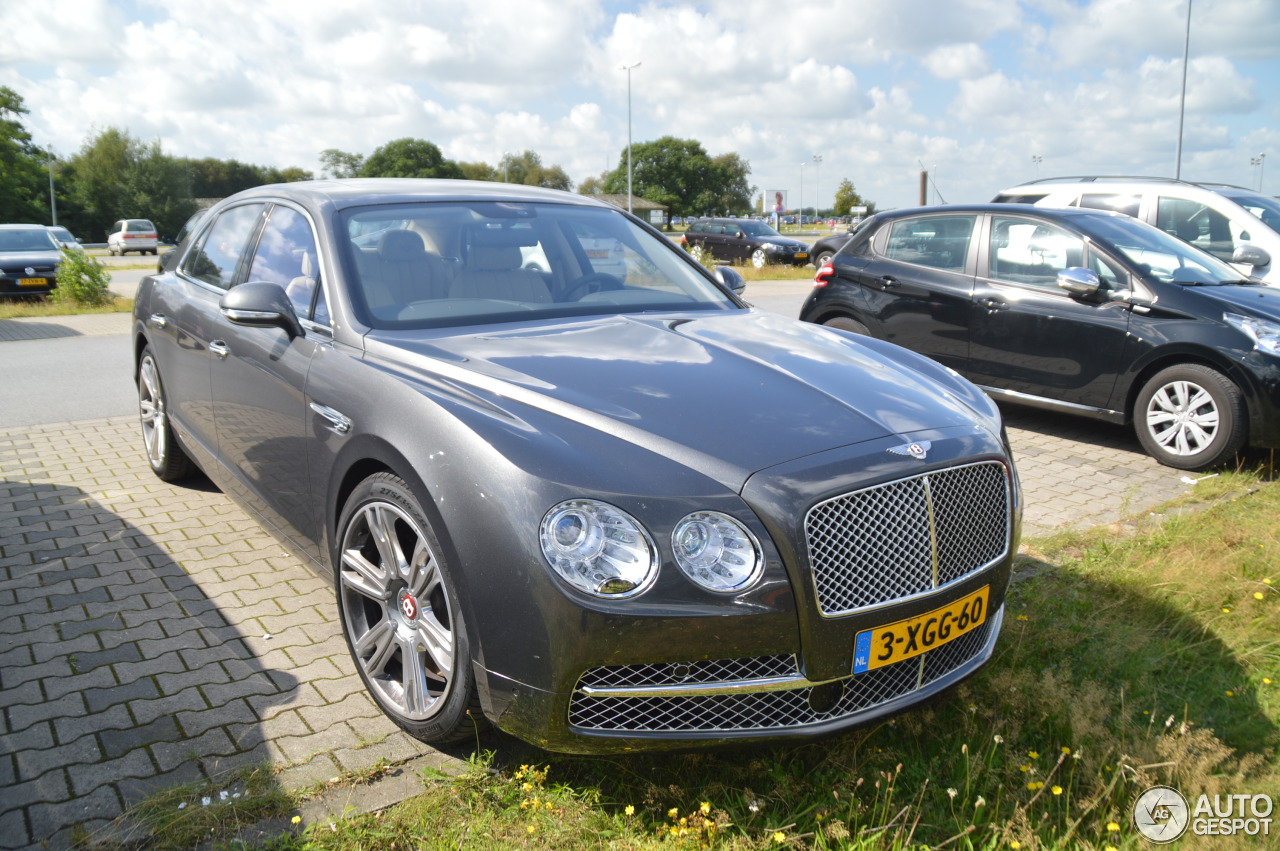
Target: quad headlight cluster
{"points": [[606, 552]]}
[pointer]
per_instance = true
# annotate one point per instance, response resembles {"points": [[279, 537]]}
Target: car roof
{"points": [[359, 192], [1003, 209], [19, 226]]}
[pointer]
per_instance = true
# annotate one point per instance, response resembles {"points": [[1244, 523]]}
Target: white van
{"points": [[1230, 222]]}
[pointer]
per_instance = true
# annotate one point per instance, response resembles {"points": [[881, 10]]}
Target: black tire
{"points": [[400, 614], [1190, 417], [823, 259], [168, 459], [846, 323]]}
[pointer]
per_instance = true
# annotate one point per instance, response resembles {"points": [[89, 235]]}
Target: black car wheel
{"points": [[844, 323], [1190, 417], [400, 614], [165, 454]]}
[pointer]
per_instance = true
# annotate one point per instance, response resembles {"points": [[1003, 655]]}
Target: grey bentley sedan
{"points": [[566, 481]]}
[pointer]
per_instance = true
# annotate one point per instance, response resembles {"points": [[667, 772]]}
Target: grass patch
{"points": [[1128, 658], [41, 308]]}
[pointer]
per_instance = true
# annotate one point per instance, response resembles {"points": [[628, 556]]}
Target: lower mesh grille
{"points": [[755, 710]]}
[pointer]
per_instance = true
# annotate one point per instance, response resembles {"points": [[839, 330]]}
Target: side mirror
{"points": [[1250, 255], [259, 304], [731, 278], [1079, 281]]}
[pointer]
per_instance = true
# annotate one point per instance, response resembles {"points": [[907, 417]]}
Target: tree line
{"points": [[115, 176]]}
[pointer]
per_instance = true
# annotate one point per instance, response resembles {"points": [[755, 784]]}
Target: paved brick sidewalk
{"points": [[154, 635]]}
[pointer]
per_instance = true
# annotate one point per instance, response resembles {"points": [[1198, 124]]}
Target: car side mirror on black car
{"points": [[731, 278], [1079, 281], [260, 304]]}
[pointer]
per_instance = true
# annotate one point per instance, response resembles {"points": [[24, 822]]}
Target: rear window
{"points": [[139, 226], [1027, 198]]}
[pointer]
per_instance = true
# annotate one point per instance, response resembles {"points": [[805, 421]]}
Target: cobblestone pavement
{"points": [[152, 634]]}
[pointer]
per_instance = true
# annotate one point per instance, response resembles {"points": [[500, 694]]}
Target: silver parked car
{"points": [[603, 506]]}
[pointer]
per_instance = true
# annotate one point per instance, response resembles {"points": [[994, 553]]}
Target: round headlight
{"points": [[598, 549], [717, 552]]}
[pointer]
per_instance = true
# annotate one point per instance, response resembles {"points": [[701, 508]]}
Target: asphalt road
{"points": [[66, 379]]}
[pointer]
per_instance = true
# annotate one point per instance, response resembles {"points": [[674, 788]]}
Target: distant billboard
{"points": [[777, 201]]}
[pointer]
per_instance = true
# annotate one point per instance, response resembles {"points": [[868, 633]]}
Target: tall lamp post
{"points": [[1261, 162], [628, 68], [817, 182], [1037, 159], [53, 202]]}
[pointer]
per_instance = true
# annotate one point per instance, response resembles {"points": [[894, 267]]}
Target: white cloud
{"points": [[957, 61]]}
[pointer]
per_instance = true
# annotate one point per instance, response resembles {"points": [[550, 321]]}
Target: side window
{"points": [[941, 242], [1127, 204], [1027, 251], [732, 230], [287, 256], [216, 258], [1198, 224], [1112, 275]]}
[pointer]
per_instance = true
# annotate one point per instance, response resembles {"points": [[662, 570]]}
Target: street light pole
{"points": [[1260, 161], [1037, 159], [817, 182], [1182, 105], [628, 68], [53, 201]]}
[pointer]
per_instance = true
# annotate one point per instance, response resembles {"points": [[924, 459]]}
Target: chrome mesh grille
{"points": [[878, 545], [686, 673], [747, 711]]}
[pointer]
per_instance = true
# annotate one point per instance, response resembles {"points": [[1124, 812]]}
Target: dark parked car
{"points": [[1074, 310], [746, 240], [520, 483], [29, 258]]}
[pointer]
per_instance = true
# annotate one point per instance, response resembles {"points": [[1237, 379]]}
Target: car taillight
{"points": [[824, 276]]}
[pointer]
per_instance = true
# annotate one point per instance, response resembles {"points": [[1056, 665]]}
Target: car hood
{"points": [[727, 393], [18, 259], [1255, 298]]}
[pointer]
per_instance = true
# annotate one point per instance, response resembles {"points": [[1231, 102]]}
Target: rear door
{"points": [[1032, 337], [917, 282]]}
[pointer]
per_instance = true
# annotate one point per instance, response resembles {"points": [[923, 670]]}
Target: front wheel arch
{"points": [[1190, 416]]}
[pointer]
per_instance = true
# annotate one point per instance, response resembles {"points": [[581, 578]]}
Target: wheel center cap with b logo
{"points": [[408, 605]]}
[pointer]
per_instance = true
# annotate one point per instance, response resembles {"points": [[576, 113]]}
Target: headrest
{"points": [[495, 258], [401, 245]]}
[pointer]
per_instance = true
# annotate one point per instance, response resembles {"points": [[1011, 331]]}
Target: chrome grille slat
{"points": [[747, 711], [685, 673], [876, 546]]}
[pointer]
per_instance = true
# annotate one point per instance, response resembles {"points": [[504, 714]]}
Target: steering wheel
{"points": [[583, 286]]}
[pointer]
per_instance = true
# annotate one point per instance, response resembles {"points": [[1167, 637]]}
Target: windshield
{"points": [[1267, 209], [431, 265], [754, 228], [1157, 255], [26, 239]]}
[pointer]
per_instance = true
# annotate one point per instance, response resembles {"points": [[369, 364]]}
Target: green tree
{"points": [[119, 177], [479, 171], [409, 158], [594, 185], [680, 174], [847, 198], [526, 168], [340, 164], [24, 195]]}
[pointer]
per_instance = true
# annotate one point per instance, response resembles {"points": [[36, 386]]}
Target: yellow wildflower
{"points": [[1015, 845], [1033, 754], [1226, 610], [296, 819], [1066, 750], [672, 813], [779, 837], [1022, 617], [1266, 681], [1057, 790], [1258, 595], [630, 810], [705, 807], [1112, 827]]}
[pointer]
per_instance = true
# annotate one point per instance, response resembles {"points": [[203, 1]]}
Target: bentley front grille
{"points": [[905, 538]]}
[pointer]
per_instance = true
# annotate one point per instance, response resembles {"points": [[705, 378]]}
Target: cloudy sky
{"points": [[972, 90]]}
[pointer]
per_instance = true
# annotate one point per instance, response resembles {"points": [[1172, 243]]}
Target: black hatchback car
{"points": [[1080, 311], [745, 240], [29, 258], [519, 481]]}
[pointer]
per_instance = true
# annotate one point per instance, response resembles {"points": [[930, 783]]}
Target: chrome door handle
{"points": [[888, 281], [993, 304], [338, 422], [158, 320], [219, 348]]}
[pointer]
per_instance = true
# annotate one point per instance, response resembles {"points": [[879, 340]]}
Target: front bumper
{"points": [[15, 285], [788, 671]]}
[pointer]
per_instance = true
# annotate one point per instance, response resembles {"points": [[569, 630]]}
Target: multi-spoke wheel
{"points": [[165, 454], [695, 251], [400, 614], [1190, 417]]}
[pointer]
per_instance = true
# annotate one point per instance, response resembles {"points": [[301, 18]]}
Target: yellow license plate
{"points": [[891, 643], [800, 255], [33, 282]]}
